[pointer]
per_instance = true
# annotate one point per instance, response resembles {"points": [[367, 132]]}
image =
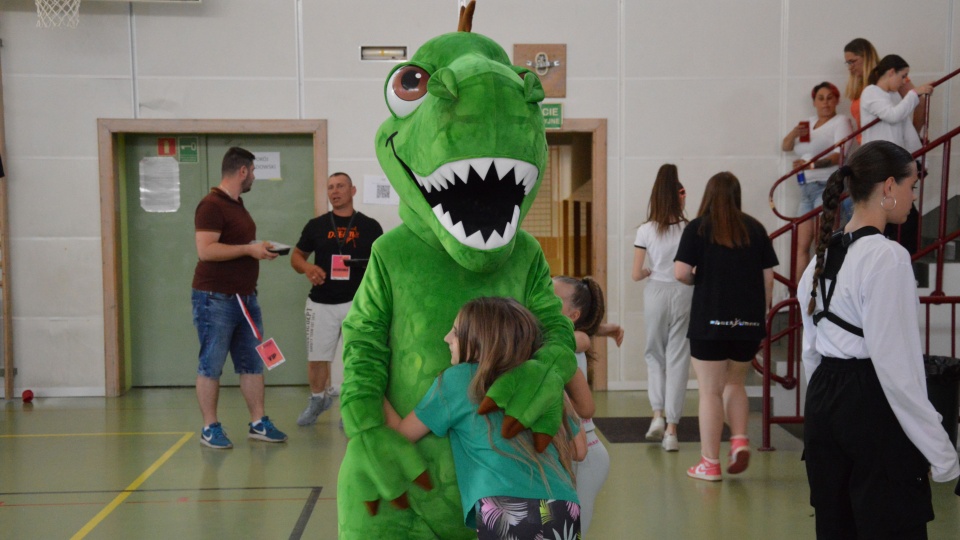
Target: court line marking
{"points": [[82, 533], [120, 433]]}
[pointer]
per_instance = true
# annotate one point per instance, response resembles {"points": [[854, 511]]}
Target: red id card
{"points": [[270, 354], [339, 269]]}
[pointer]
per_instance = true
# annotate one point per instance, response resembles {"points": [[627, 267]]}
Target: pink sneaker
{"points": [[705, 471], [739, 455]]}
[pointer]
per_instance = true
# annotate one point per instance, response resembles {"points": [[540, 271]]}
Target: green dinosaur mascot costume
{"points": [[465, 149]]}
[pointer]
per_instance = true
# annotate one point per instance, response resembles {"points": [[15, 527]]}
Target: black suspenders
{"points": [[836, 253]]}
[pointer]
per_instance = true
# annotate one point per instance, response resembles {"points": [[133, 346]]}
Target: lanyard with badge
{"points": [[268, 350], [339, 270]]}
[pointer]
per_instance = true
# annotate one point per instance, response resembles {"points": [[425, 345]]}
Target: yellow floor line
{"points": [[130, 489], [123, 433]]}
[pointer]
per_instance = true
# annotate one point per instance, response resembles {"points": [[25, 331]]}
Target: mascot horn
{"points": [[465, 149]]}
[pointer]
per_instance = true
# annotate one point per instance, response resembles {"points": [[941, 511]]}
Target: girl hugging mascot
{"points": [[465, 149]]}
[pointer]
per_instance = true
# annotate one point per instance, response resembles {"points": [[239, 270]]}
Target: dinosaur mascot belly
{"points": [[464, 148]]}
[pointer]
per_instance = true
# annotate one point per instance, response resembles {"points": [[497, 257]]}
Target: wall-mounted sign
{"points": [[552, 115], [189, 148], [377, 190], [267, 166], [549, 62], [167, 146]]}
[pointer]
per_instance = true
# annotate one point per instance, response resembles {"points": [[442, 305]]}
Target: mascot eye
{"points": [[406, 89]]}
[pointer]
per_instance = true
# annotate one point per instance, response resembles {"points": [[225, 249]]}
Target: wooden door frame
{"points": [[597, 127], [108, 132]]}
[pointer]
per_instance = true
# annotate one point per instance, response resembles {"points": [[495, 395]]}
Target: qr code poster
{"points": [[377, 190]]}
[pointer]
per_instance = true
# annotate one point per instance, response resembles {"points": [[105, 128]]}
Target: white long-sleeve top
{"points": [[876, 291], [895, 114]]}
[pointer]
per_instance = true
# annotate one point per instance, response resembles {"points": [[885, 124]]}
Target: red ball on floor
{"points": [[27, 396]]}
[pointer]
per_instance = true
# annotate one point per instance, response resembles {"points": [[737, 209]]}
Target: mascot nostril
{"points": [[465, 153]]}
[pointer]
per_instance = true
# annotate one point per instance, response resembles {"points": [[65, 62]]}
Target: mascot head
{"points": [[464, 146]]}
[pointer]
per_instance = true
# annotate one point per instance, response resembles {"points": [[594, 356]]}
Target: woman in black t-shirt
{"points": [[729, 258]]}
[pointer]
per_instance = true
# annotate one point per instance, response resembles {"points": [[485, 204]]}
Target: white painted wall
{"points": [[709, 86]]}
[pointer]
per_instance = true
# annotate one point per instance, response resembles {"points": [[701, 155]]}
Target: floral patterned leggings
{"points": [[500, 518]]}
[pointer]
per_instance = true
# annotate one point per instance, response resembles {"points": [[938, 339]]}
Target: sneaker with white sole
{"points": [[705, 471], [670, 442], [739, 455], [315, 406], [264, 430], [657, 427], [213, 436]]}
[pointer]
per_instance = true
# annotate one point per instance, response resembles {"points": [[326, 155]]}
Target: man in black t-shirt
{"points": [[340, 241]]}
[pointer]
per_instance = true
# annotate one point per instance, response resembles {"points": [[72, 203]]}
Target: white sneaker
{"points": [[670, 443], [657, 426], [333, 391]]}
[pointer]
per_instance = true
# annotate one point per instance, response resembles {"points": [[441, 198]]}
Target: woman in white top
{"points": [[891, 97], [871, 435], [821, 131], [666, 306]]}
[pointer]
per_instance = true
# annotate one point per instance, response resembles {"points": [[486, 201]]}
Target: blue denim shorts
{"points": [[222, 328], [811, 196]]}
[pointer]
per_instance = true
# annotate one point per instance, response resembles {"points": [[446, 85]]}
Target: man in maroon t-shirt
{"points": [[224, 297]]}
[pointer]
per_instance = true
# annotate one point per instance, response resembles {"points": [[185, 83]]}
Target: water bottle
{"points": [[802, 178]]}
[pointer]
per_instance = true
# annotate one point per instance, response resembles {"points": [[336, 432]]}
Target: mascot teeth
{"points": [[446, 175], [476, 240], [478, 200]]}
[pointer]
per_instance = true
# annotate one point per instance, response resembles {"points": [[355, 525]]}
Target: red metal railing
{"points": [[792, 330]]}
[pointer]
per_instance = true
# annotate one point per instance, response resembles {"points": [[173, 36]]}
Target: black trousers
{"points": [[867, 480]]}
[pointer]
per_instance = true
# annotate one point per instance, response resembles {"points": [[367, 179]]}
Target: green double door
{"points": [[161, 345]]}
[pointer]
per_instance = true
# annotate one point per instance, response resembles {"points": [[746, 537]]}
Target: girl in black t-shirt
{"points": [[729, 257]]}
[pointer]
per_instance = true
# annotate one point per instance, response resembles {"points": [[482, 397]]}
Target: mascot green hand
{"points": [[464, 148]]}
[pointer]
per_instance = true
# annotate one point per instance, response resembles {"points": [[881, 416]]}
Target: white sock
{"points": [[319, 394]]}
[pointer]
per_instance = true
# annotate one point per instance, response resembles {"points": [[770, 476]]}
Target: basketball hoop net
{"points": [[56, 13]]}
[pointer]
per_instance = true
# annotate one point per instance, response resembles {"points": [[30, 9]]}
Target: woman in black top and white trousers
{"points": [[871, 436]]}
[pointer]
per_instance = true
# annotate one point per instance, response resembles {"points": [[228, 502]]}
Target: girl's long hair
{"points": [[499, 334], [857, 81], [722, 220], [871, 164], [665, 208]]}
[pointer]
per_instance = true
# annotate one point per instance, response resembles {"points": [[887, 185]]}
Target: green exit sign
{"points": [[189, 149], [552, 115]]}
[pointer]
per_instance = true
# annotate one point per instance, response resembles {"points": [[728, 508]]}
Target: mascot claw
{"points": [[401, 502]]}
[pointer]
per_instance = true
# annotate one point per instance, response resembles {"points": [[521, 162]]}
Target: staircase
{"points": [[933, 266]]}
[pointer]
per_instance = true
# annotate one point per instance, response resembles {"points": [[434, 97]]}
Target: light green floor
{"points": [[132, 467]]}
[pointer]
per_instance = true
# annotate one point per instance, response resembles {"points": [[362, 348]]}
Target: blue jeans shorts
{"points": [[222, 328], [811, 196]]}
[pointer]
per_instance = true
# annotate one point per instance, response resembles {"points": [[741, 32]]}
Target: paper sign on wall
{"points": [[267, 166], [377, 190]]}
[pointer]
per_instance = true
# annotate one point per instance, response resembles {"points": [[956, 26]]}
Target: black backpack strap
{"points": [[836, 253]]}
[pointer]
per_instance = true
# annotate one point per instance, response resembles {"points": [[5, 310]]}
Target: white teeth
{"points": [[461, 169], [445, 176], [481, 165], [503, 166], [475, 240]]}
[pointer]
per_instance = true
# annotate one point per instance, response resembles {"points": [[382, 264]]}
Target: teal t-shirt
{"points": [[482, 471]]}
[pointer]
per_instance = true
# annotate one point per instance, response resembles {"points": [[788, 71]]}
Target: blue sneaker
{"points": [[264, 430], [214, 437]]}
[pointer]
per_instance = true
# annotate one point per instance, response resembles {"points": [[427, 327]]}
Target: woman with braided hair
{"points": [[871, 436]]}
